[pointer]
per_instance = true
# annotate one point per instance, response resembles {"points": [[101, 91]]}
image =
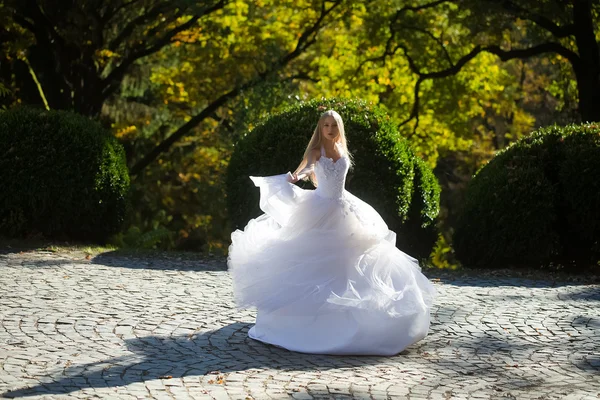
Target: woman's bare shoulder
{"points": [[315, 153]]}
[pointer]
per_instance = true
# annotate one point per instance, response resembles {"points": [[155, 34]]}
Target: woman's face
{"points": [[329, 128]]}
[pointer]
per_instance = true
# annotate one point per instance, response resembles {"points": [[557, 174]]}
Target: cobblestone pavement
{"points": [[118, 327]]}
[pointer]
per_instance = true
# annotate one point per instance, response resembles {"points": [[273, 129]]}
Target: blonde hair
{"points": [[316, 141]]}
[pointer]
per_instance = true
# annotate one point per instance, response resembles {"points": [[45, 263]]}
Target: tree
{"points": [[456, 110], [83, 50], [348, 63], [253, 53], [254, 69], [568, 29]]}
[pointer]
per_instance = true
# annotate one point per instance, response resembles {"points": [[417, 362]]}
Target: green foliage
{"points": [[4, 91], [579, 177], [105, 39], [535, 203], [183, 191], [183, 194], [63, 176], [399, 185], [363, 50], [135, 238]]}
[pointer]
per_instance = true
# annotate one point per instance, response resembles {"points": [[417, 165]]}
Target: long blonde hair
{"points": [[316, 141]]}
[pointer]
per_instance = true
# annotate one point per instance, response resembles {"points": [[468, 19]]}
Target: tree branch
{"points": [[432, 36], [393, 30], [110, 14], [504, 55], [21, 20], [303, 76], [222, 121], [40, 24], [414, 114], [30, 16], [37, 82], [540, 20], [39, 15], [160, 26], [303, 43], [128, 30], [421, 7], [112, 81], [549, 47], [455, 68]]}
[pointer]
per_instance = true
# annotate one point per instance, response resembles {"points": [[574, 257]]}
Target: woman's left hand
{"points": [[292, 178]]}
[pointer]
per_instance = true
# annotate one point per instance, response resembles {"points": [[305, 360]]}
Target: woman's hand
{"points": [[292, 178]]}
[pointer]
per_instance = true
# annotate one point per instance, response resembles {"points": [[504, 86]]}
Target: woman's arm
{"points": [[313, 156]]}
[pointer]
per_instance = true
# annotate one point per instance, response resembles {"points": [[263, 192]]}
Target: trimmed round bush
{"points": [[536, 203], [387, 174], [63, 176]]}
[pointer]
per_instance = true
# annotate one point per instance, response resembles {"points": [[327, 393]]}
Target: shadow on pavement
{"points": [[499, 281], [590, 293], [161, 261], [225, 350], [508, 359]]}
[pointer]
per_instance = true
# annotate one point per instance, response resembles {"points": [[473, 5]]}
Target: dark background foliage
{"points": [[63, 176], [536, 203], [387, 174]]}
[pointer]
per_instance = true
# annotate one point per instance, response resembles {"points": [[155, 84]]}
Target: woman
{"points": [[321, 265]]}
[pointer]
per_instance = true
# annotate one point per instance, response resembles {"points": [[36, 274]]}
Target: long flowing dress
{"points": [[323, 271]]}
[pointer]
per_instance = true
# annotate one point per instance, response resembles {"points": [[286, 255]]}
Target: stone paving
{"points": [[136, 328]]}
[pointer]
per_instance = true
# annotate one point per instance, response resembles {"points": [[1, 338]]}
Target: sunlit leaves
{"points": [[373, 50], [234, 46]]}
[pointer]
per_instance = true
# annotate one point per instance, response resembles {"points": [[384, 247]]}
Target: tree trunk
{"points": [[588, 70]]}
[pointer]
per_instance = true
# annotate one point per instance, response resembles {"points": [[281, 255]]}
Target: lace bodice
{"points": [[331, 176]]}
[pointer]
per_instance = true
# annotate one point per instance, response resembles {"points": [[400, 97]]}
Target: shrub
{"points": [[63, 176], [536, 203], [387, 175]]}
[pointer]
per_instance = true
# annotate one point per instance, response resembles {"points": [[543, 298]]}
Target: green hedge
{"points": [[387, 175], [536, 203], [63, 176]]}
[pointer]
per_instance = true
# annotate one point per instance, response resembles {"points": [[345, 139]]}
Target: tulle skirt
{"points": [[325, 275]]}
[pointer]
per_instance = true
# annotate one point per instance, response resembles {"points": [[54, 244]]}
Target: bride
{"points": [[321, 266]]}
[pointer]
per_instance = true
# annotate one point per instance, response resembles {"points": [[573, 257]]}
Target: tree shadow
{"points": [[227, 349], [512, 356], [586, 322], [498, 281], [11, 246], [125, 258], [45, 263], [581, 294], [36, 244], [160, 261], [589, 293]]}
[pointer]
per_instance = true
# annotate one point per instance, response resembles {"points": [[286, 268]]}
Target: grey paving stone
{"points": [[139, 328]]}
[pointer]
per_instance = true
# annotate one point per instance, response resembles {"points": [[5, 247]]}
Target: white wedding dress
{"points": [[323, 271]]}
